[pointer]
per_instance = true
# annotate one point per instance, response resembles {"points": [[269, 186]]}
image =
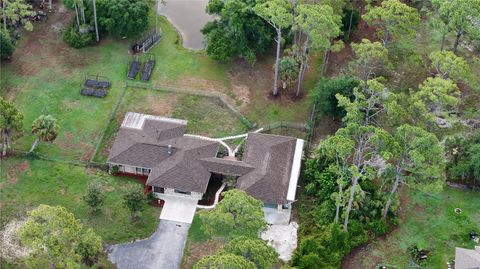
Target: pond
{"points": [[189, 17]]}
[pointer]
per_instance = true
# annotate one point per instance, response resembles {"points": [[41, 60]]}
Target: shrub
{"points": [[94, 196], [6, 45], [134, 201], [77, 40]]}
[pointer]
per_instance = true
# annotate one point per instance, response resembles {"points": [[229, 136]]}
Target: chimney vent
{"points": [[169, 149]]}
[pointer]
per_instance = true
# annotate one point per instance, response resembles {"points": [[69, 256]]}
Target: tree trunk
{"points": [[442, 45], [392, 192], [34, 145], [4, 17], [457, 41], [301, 72], [76, 13], [350, 202], [337, 211], [83, 12], [95, 18], [277, 61], [284, 86], [50, 5], [5, 143], [387, 36], [326, 57], [350, 24]]}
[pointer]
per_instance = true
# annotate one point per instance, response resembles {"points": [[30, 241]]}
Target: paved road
{"points": [[163, 250]]}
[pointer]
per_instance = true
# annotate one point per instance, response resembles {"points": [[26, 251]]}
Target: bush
{"points": [[6, 45], [76, 40], [463, 155]]}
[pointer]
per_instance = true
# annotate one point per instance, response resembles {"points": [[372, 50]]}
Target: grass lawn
{"points": [[431, 223], [205, 116], [25, 184]]}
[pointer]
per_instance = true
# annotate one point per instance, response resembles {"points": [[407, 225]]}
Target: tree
{"points": [[45, 128], [236, 214], [94, 196], [394, 18], [435, 97], [224, 261], [16, 11], [464, 158], [278, 13], [320, 25], [120, 18], [370, 57], [54, 235], [418, 160], [254, 250], [134, 201], [458, 16], [10, 122], [6, 45], [370, 100], [449, 65], [237, 32], [288, 70], [360, 151]]}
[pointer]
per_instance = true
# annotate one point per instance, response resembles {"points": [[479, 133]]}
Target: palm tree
{"points": [[45, 128], [95, 18], [288, 70]]}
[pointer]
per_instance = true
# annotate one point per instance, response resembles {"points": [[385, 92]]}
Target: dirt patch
{"points": [[71, 104], [196, 251], [240, 91], [10, 247], [14, 172], [200, 83]]}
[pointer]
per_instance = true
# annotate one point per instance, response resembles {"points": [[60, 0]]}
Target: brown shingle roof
{"points": [[143, 141], [272, 157]]}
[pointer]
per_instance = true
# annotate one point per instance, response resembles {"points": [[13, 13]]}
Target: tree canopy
{"points": [[254, 250], [224, 261], [394, 19], [54, 235], [236, 214], [11, 120], [45, 128], [121, 18], [237, 32], [16, 11]]}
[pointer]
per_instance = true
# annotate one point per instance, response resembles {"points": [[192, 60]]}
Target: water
{"points": [[189, 17]]}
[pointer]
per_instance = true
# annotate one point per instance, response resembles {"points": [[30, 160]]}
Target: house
{"points": [[180, 164], [467, 258]]}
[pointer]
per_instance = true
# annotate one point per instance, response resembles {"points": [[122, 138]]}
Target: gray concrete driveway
{"points": [[163, 250]]}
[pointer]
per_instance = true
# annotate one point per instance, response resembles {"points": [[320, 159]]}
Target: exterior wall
{"points": [[194, 195], [132, 169]]}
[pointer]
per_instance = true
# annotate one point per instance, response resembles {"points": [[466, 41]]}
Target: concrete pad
{"points": [[276, 217], [179, 209], [283, 238], [164, 249]]}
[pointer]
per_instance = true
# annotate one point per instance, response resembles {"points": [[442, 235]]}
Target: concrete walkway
{"points": [[179, 209], [164, 249]]}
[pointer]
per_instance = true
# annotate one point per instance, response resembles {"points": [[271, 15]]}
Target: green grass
{"points": [[205, 115], [196, 234], [25, 184], [430, 223]]}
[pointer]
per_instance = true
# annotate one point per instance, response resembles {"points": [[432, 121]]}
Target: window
{"points": [[138, 170], [157, 189], [183, 192], [145, 171]]}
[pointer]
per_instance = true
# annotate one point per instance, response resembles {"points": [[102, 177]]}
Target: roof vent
{"points": [[169, 150]]}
